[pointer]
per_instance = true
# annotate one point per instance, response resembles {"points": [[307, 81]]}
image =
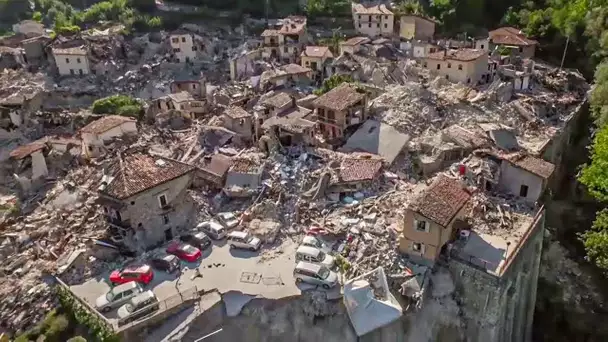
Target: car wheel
{"points": [[325, 286], [232, 246], [106, 309]]}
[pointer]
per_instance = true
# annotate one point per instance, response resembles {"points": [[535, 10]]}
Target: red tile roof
{"points": [[26, 150], [531, 164], [105, 124], [138, 172], [359, 169], [317, 51], [464, 55], [375, 9], [510, 36], [339, 98], [442, 200]]}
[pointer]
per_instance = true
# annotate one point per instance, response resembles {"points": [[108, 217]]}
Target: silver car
{"points": [[213, 229], [315, 274], [117, 296], [138, 307], [244, 240], [228, 219]]}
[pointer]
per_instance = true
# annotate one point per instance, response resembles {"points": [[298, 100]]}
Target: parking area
{"points": [[267, 273]]}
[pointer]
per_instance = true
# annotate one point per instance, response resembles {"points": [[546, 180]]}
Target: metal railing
{"points": [[164, 305]]}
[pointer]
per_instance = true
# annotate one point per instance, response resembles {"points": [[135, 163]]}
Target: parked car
{"points": [[228, 219], [141, 273], [244, 240], [199, 240], [315, 274], [165, 262], [117, 296], [313, 241], [184, 251], [213, 229], [314, 255], [138, 307]]}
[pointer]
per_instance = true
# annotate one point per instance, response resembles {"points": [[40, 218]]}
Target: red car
{"points": [[184, 251], [139, 273]]}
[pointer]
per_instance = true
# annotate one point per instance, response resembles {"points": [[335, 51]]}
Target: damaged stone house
{"points": [[244, 178], [356, 173], [416, 27], [211, 171], [339, 109], [353, 45], [286, 76], [316, 58], [286, 40], [430, 218], [182, 103], [144, 199], [239, 121], [72, 60], [195, 85], [467, 66], [377, 138], [183, 46], [29, 164], [525, 176], [278, 116], [97, 134], [509, 38], [373, 20]]}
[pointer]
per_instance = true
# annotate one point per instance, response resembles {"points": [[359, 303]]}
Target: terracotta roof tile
{"points": [[139, 172], [339, 98], [244, 165], [278, 100], [317, 51], [442, 200], [532, 164], [376, 9], [510, 36], [235, 112], [26, 150], [464, 55], [271, 32], [105, 124], [359, 169]]}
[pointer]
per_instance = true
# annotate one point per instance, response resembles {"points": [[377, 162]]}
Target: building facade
{"points": [[286, 40], [467, 66], [416, 27], [72, 61], [315, 58], [183, 46], [510, 37], [373, 21], [96, 134], [340, 108]]}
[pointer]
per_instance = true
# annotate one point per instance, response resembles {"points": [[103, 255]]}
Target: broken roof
{"points": [[293, 120], [291, 69], [532, 164], [464, 138], [218, 165], [374, 9], [363, 168], [317, 51], [510, 36], [442, 200], [105, 124], [26, 150], [278, 100], [270, 32], [236, 112], [293, 24], [78, 51], [139, 172], [464, 55], [356, 41], [244, 165], [340, 98], [182, 96], [377, 138]]}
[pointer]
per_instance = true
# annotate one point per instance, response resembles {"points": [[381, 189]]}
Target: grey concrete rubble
{"points": [[426, 196]]}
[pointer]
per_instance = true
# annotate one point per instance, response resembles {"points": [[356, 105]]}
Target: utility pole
{"points": [[564, 55]]}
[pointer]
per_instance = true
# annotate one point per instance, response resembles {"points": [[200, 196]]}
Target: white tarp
{"points": [[369, 303]]}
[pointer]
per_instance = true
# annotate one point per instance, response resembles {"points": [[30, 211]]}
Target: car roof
{"points": [[139, 268], [308, 266], [212, 225], [124, 287], [200, 235], [167, 257], [142, 297], [308, 250], [238, 234], [310, 239]]}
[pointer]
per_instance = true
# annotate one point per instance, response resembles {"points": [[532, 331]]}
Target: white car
{"points": [[312, 241], [213, 229], [117, 296], [314, 255], [228, 219], [244, 240], [139, 306], [315, 274]]}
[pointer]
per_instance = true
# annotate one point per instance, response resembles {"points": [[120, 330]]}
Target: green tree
{"points": [[596, 241], [118, 104], [332, 82]]}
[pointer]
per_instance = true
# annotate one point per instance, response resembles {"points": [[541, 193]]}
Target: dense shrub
{"points": [[118, 104]]}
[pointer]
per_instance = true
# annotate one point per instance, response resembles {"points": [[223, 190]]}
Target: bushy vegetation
{"points": [[118, 104], [53, 328], [332, 82]]}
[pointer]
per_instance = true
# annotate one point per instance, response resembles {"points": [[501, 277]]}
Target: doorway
{"points": [[168, 234]]}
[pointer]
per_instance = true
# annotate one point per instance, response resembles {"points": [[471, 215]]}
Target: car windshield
{"points": [[249, 238], [324, 272], [109, 296], [321, 256], [188, 249]]}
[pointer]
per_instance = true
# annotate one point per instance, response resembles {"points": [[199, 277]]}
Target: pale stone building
{"points": [[315, 58], [416, 27], [468, 66], [96, 134], [340, 108], [184, 48], [286, 40], [373, 21], [72, 61], [512, 38]]}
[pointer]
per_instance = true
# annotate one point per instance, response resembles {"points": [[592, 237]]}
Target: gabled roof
{"points": [[377, 138], [359, 169], [277, 100], [105, 124], [532, 164], [317, 51], [26, 150], [356, 41], [375, 9], [235, 112], [442, 200], [510, 36], [339, 98], [135, 173]]}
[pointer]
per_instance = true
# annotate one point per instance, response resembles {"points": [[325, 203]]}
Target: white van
{"points": [[117, 296], [315, 274], [314, 255], [213, 229]]}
